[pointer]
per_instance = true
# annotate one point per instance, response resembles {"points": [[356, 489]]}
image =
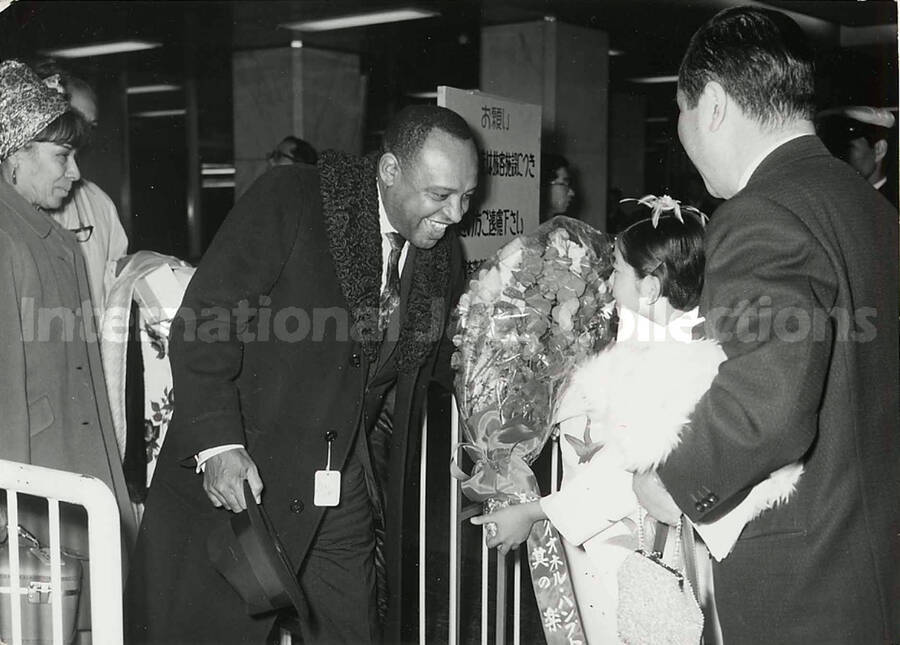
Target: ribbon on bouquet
{"points": [[501, 477]]}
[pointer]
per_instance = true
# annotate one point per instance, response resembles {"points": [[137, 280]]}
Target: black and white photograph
{"points": [[451, 322]]}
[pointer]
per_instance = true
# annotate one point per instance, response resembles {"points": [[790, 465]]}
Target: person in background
{"points": [[89, 212], [54, 409], [293, 150], [800, 289], [556, 186], [866, 138], [359, 247]]}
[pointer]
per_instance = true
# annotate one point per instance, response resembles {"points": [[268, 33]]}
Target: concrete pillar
{"points": [[627, 134], [313, 94], [566, 70]]}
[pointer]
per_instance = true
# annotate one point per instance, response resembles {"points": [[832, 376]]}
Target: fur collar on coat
{"points": [[350, 208], [639, 397]]}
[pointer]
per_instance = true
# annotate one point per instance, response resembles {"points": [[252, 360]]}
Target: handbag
{"points": [[657, 605]]}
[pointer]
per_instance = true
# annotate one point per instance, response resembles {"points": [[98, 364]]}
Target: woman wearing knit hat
{"points": [[53, 401]]}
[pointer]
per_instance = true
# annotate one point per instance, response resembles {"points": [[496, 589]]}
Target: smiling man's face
{"points": [[432, 191]]}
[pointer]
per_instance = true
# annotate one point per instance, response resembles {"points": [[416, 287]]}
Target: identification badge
{"points": [[328, 482], [328, 488]]}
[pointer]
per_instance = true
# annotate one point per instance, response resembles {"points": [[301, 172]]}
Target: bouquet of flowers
{"points": [[533, 312]]}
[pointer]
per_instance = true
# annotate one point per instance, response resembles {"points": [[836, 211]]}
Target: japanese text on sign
{"points": [[499, 163], [495, 222], [494, 118]]}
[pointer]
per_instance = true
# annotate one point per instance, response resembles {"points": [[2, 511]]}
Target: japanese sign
{"points": [[508, 136]]}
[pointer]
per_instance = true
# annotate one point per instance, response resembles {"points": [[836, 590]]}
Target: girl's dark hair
{"points": [[68, 129], [672, 252]]}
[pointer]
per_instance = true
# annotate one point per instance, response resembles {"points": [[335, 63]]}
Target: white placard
{"points": [[508, 136]]}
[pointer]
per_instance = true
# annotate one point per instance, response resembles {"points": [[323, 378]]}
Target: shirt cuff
{"points": [[203, 456]]}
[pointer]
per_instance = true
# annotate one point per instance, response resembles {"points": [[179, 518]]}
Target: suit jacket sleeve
{"points": [[597, 497], [768, 287], [443, 373], [221, 304]]}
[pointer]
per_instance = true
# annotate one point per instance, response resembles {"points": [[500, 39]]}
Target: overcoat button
{"points": [[712, 498], [355, 360], [296, 506]]}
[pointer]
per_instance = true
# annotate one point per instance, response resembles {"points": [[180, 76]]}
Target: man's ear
{"points": [[714, 104], [880, 150], [388, 168], [649, 288]]}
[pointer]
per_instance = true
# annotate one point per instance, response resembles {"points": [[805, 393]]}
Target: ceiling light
{"points": [[616, 52], [101, 49], [297, 44], [360, 20], [654, 79], [211, 169], [152, 89], [153, 114]]}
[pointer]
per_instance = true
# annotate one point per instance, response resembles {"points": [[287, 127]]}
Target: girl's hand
{"points": [[513, 525]]}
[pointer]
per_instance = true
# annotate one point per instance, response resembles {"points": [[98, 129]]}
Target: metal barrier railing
{"points": [[457, 517], [104, 543]]}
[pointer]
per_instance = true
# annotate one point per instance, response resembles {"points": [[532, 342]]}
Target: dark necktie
{"points": [[390, 296]]}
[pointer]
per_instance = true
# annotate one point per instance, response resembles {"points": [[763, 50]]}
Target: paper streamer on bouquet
{"points": [[504, 479]]}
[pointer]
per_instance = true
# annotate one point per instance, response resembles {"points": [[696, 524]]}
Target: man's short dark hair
{"points": [[760, 57], [550, 164], [407, 131]]}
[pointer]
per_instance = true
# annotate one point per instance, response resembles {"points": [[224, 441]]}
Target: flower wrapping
{"points": [[533, 311]]}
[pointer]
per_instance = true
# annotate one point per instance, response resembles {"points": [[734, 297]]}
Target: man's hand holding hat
{"points": [[223, 479]]}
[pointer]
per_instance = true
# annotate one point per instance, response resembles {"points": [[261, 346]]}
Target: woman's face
{"points": [[625, 284], [45, 173], [561, 192]]}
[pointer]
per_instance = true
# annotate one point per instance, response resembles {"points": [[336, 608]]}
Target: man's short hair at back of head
{"points": [[407, 131], [760, 57], [49, 67]]}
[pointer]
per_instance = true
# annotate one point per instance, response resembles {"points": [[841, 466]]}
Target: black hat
{"points": [[246, 551]]}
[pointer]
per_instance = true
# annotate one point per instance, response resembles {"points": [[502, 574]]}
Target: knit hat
{"points": [[27, 105]]}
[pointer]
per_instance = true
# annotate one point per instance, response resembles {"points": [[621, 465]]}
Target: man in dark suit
{"points": [[866, 138], [801, 290], [307, 314]]}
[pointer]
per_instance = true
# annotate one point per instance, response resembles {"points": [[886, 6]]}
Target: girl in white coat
{"points": [[624, 411]]}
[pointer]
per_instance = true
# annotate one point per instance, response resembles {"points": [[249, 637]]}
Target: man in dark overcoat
{"points": [[288, 346], [801, 290]]}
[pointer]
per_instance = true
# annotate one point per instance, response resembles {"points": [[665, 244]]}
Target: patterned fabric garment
{"points": [[390, 296], [27, 105]]}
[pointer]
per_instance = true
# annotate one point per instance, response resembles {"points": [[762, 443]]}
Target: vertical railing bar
{"points": [[423, 497], [554, 463], [521, 552], [57, 593], [484, 587], [104, 537], [500, 593], [15, 599], [105, 572], [455, 530]]}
